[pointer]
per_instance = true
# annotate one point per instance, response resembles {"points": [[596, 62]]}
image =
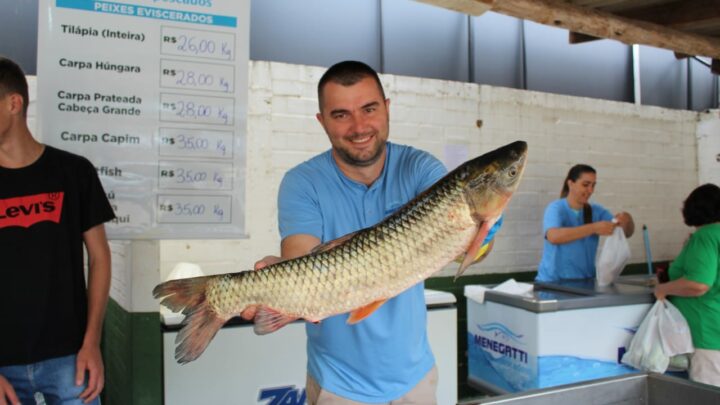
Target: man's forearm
{"points": [[98, 291]]}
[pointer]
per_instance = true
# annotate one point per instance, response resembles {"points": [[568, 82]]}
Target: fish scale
{"points": [[369, 269], [358, 272]]}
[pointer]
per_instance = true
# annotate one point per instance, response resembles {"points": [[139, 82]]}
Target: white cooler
{"points": [[240, 367]]}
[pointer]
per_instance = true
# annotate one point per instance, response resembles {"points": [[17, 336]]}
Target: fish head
{"points": [[491, 179]]}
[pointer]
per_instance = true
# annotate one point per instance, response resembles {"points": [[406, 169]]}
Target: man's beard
{"points": [[348, 158]]}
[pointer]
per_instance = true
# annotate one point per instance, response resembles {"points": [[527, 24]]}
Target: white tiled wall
{"points": [[708, 136], [646, 157]]}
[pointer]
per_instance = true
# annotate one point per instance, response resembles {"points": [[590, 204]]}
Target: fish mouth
{"points": [[515, 151]]}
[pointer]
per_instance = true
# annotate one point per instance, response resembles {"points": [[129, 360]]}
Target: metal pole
{"points": [[636, 73], [648, 256]]}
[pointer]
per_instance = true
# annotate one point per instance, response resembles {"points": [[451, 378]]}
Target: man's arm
{"points": [[290, 248], [7, 393], [89, 357], [297, 245]]}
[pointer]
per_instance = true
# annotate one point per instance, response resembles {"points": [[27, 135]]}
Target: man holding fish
{"points": [[385, 358], [362, 225]]}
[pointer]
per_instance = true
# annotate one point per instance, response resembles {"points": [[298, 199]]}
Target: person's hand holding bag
{"points": [[614, 255]]}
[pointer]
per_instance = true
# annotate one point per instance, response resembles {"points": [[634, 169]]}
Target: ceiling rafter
{"points": [[690, 15], [679, 26]]}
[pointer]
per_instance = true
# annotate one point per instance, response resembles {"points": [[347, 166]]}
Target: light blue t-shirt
{"points": [[384, 356], [571, 260]]}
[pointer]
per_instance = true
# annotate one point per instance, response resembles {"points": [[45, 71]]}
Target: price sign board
{"points": [[154, 93]]}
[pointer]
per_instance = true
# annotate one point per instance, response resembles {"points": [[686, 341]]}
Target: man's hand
{"points": [[267, 261], [249, 312], [7, 393], [89, 359]]}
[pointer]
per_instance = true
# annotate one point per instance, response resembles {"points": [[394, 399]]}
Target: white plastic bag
{"points": [[674, 331], [646, 350], [612, 258], [664, 333]]}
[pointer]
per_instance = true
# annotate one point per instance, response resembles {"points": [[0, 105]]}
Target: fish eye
{"points": [[512, 172]]}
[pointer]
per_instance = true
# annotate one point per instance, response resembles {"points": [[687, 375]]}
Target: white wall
{"points": [[708, 138], [646, 157]]}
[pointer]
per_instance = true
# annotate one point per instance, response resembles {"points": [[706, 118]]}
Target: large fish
{"points": [[358, 272]]}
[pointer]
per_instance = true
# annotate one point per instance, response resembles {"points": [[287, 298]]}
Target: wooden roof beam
{"points": [[595, 23], [685, 15], [578, 38], [471, 7]]}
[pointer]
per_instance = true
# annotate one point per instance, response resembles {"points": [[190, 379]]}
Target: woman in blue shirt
{"points": [[572, 226]]}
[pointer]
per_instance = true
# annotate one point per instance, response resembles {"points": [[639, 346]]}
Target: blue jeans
{"points": [[54, 378]]}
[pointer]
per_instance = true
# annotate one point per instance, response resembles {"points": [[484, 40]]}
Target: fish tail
{"points": [[201, 322], [183, 294]]}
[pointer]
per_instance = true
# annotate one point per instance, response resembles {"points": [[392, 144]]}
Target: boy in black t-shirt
{"points": [[51, 205]]}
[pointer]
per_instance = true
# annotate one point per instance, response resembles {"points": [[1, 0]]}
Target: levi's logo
{"points": [[28, 210]]}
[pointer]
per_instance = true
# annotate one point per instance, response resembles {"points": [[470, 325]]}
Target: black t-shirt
{"points": [[44, 210]]}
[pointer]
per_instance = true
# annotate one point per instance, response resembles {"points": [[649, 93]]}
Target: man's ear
{"points": [[321, 120], [16, 103]]}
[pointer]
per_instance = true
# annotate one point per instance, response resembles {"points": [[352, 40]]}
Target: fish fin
{"points": [[484, 251], [363, 312], [268, 320], [323, 247], [201, 323], [199, 328], [474, 247]]}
